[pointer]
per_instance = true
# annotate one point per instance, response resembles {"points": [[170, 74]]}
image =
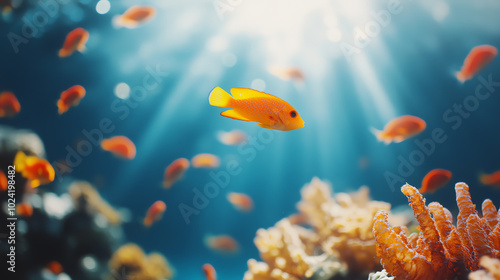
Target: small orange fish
{"points": [[205, 161], [37, 170], [9, 105], [234, 137], [155, 212], [3, 182], [434, 180], [209, 272], [70, 97], [24, 209], [222, 243], [54, 267], [298, 219], [492, 179], [400, 129], [135, 16], [241, 201], [120, 146], [175, 171], [475, 61], [75, 41], [267, 110], [287, 73]]}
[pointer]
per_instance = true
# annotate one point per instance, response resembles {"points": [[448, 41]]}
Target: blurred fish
{"points": [[267, 110], [298, 219], [434, 180], [205, 161], [222, 243], [400, 129], [24, 209], [9, 105], [155, 212], [120, 146], [70, 97], [135, 16], [234, 137], [75, 41], [209, 272], [54, 267], [3, 182], [241, 201], [492, 179], [475, 61], [287, 73], [175, 171], [37, 170]]}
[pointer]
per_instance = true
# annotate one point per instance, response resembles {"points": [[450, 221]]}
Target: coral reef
{"points": [[491, 272], [339, 244], [440, 250], [380, 275], [130, 262]]}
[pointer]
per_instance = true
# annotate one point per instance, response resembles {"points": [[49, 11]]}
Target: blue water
{"points": [[406, 68]]}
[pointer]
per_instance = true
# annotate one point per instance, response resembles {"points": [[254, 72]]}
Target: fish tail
{"points": [[380, 135], [61, 107], [20, 161], [63, 53], [460, 77], [220, 98]]}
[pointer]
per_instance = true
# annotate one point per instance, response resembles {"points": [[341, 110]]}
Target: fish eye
{"points": [[293, 114]]}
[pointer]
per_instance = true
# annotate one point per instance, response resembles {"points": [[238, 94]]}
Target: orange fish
{"points": [[475, 61], [175, 171], [222, 243], [70, 97], [24, 209], [205, 161], [234, 137], [209, 272], [3, 182], [492, 179], [298, 219], [400, 129], [75, 41], [241, 201], [287, 73], [155, 212], [37, 170], [267, 110], [9, 105], [434, 180], [120, 146], [135, 16], [54, 267]]}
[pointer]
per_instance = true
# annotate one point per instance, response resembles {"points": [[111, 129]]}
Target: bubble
{"points": [[258, 84], [122, 90], [89, 263], [229, 60], [63, 276], [103, 7]]}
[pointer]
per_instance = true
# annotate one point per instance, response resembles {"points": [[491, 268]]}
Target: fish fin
{"points": [[234, 115], [460, 77], [264, 126], [63, 53], [380, 135], [35, 183], [20, 161], [398, 139], [244, 93], [220, 98], [82, 48]]}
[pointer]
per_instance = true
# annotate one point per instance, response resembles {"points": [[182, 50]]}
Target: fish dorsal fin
{"points": [[234, 115], [244, 93]]}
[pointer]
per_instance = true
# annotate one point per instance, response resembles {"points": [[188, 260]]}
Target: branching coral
{"points": [[440, 250], [130, 262]]}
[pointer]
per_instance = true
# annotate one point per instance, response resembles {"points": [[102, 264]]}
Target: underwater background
{"points": [[405, 66]]}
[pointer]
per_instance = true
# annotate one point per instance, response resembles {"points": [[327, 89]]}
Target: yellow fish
{"points": [[37, 170], [250, 105]]}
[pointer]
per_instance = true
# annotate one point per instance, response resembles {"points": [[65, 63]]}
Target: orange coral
{"points": [[440, 250]]}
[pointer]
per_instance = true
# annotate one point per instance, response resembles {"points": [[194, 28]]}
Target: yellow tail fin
{"points": [[220, 98], [19, 161]]}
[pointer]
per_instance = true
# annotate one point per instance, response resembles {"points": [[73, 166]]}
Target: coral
{"points": [[380, 275], [86, 197], [440, 250], [491, 272], [339, 244], [130, 262]]}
